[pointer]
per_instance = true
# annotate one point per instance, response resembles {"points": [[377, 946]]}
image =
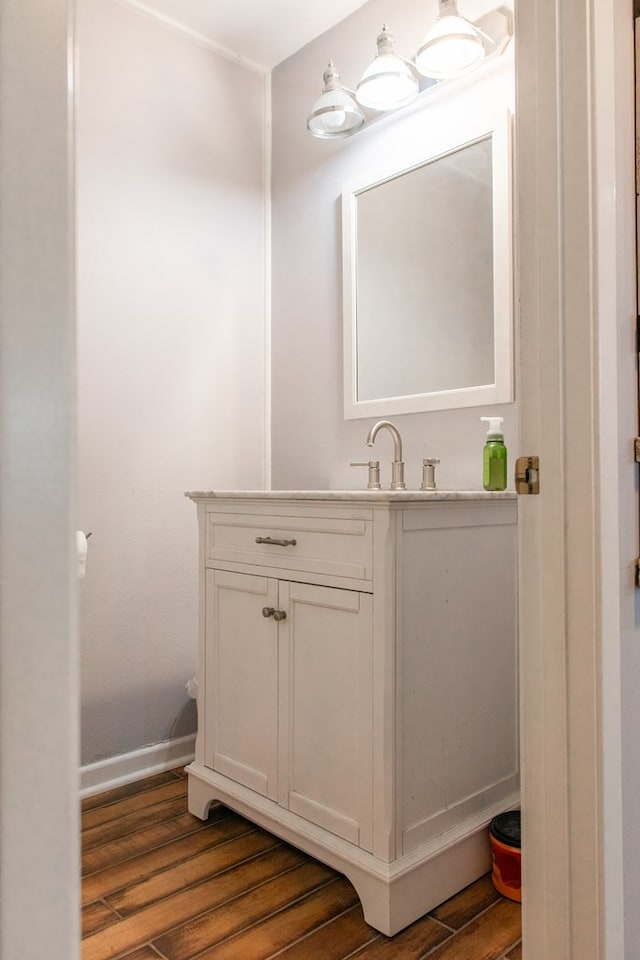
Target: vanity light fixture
{"points": [[335, 113], [452, 47], [389, 82]]}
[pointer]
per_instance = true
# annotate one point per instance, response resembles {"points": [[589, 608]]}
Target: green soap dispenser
{"points": [[494, 456]]}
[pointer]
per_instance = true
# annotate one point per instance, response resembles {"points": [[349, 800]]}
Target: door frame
{"points": [[39, 676], [574, 65]]}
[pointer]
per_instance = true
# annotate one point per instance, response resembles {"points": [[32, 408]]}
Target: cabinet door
{"points": [[241, 686], [326, 708]]}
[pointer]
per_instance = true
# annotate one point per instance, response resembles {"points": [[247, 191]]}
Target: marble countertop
{"points": [[368, 496]]}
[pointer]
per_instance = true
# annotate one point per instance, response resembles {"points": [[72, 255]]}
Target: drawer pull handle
{"points": [[272, 612], [276, 543]]}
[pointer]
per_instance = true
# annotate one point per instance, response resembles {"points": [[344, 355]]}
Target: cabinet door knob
{"points": [[272, 612]]}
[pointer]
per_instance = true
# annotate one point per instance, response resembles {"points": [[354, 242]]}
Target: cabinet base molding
{"points": [[392, 894]]}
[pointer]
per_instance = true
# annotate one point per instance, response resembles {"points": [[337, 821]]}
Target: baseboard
{"points": [[129, 767]]}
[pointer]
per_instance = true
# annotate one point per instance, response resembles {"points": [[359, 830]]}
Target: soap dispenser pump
{"points": [[494, 456]]}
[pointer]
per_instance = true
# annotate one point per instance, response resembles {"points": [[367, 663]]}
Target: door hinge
{"points": [[638, 573], [527, 475], [636, 449]]}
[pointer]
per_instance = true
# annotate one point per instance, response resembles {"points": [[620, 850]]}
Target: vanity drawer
{"points": [[333, 546]]}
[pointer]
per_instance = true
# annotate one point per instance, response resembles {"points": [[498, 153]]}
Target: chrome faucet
{"points": [[397, 467]]}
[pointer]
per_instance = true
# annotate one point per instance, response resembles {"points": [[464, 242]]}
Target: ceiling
{"points": [[263, 32]]}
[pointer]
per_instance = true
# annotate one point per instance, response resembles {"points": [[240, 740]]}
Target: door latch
{"points": [[527, 475]]}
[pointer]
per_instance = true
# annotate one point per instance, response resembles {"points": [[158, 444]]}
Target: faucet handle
{"points": [[429, 473], [374, 472]]}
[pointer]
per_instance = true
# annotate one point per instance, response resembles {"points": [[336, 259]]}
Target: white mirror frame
{"points": [[465, 133]]}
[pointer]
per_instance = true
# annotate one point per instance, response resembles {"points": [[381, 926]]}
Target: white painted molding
{"points": [[39, 650], [268, 259], [129, 767], [194, 35], [577, 298]]}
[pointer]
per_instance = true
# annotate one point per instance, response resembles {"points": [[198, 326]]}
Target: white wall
{"points": [[312, 443], [170, 221]]}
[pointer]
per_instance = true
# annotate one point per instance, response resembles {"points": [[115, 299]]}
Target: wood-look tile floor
{"points": [[159, 883]]}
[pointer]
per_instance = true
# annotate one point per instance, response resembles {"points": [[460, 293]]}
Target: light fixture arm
{"points": [[482, 33]]}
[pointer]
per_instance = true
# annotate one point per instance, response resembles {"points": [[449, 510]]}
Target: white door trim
{"points": [[569, 143], [39, 678]]}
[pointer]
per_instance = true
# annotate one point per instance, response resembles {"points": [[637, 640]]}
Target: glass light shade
{"points": [[452, 47], [335, 113], [388, 82]]}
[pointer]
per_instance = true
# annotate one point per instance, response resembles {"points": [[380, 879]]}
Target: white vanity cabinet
{"points": [[358, 681]]}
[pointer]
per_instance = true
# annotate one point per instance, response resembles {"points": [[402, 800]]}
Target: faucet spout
{"points": [[397, 441], [397, 481]]}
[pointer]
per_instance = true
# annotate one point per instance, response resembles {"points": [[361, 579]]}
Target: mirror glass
{"points": [[428, 287]]}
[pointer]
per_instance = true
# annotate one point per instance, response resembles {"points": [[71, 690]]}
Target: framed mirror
{"points": [[428, 279]]}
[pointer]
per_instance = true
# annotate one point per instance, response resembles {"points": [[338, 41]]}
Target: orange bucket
{"points": [[504, 835]]}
